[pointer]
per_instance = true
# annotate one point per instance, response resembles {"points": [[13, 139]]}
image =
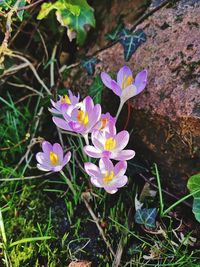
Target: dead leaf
{"points": [[80, 264]]}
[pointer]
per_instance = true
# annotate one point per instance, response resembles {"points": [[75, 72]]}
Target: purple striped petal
{"points": [[141, 81], [57, 149], [92, 170], [61, 123], [124, 155], [92, 152], [124, 71], [40, 157], [122, 139], [44, 167], [121, 181], [106, 165], [116, 88], [120, 168], [110, 190], [96, 182], [67, 158], [106, 79], [46, 147]]}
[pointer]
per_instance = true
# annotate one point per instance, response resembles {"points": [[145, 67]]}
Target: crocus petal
{"points": [[110, 190], [97, 140], [43, 167], [61, 123], [124, 155], [92, 170], [128, 93], [124, 71], [67, 158], [141, 81], [46, 147], [115, 88], [40, 157], [106, 165], [121, 181], [88, 104], [106, 79], [77, 127], [96, 182], [122, 139], [57, 149], [57, 168], [92, 152], [120, 168], [94, 117]]}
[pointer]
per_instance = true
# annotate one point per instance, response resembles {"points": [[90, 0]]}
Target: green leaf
{"points": [[89, 65], [30, 239], [114, 34], [194, 185], [73, 14], [131, 41], [20, 14], [147, 217], [95, 90]]}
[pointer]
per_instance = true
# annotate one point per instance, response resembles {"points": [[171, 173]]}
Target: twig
{"points": [[29, 6], [119, 252], [97, 223], [25, 178], [32, 68], [27, 87]]}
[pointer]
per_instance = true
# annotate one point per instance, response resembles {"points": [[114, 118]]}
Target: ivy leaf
{"points": [[20, 14], [89, 65], [114, 34], [131, 41], [147, 217], [194, 185], [95, 90], [73, 14]]}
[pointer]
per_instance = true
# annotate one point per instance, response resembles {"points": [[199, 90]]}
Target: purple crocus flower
{"points": [[109, 145], [125, 86], [107, 175], [64, 101], [52, 158], [80, 119], [106, 123]]}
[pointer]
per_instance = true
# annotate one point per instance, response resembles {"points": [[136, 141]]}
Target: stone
{"points": [[166, 117]]}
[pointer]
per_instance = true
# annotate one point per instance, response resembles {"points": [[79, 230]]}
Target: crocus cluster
{"points": [[86, 119]]}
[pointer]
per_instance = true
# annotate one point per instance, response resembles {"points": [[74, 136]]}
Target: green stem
{"points": [[179, 201], [3, 233], [159, 190], [69, 183]]}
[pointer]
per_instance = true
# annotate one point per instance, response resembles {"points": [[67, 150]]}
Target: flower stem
{"points": [[119, 109], [86, 139], [69, 183]]}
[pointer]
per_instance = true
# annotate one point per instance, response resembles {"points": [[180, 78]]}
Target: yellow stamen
{"points": [[65, 99], [53, 158], [82, 117], [110, 144], [108, 178], [103, 123], [127, 81]]}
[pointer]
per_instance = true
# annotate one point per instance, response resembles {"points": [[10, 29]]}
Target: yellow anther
{"points": [[53, 158], [103, 123], [108, 178], [65, 99], [82, 117], [127, 81], [110, 144]]}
